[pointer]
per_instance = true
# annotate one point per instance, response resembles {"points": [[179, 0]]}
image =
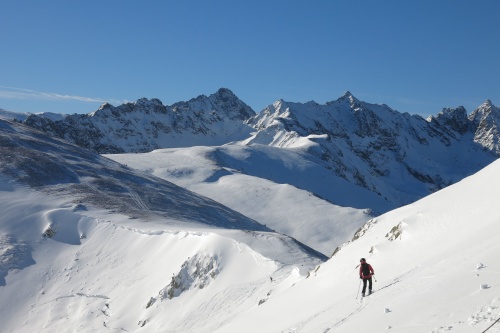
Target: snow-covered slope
{"points": [[83, 178], [89, 245], [148, 124], [104, 273], [436, 264], [55, 166]]}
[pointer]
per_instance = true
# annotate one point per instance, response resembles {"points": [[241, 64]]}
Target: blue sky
{"points": [[415, 56]]}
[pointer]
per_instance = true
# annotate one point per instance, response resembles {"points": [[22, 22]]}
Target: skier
{"points": [[365, 273]]}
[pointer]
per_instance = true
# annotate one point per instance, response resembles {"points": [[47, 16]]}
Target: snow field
{"points": [[427, 278], [106, 278], [225, 175]]}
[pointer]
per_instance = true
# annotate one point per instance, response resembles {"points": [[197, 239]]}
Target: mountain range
{"points": [[397, 156]]}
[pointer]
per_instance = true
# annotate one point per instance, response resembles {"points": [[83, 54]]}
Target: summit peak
{"points": [[348, 94], [487, 103], [225, 93], [347, 97]]}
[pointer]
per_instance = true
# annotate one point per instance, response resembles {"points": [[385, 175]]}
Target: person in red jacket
{"points": [[365, 272]]}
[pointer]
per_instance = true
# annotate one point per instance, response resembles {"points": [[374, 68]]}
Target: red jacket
{"points": [[361, 271]]}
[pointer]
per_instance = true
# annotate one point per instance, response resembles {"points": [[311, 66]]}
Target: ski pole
{"points": [[357, 294]]}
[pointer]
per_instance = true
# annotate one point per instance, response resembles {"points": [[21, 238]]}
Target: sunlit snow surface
{"points": [[440, 274], [271, 185], [74, 266]]}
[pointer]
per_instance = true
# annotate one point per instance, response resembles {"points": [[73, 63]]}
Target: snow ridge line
{"points": [[181, 233]]}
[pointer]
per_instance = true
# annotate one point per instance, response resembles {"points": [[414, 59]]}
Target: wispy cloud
{"points": [[21, 93]]}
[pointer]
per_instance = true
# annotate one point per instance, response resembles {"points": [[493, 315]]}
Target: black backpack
{"points": [[365, 269]]}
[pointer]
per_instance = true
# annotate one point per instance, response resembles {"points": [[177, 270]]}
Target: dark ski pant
{"points": [[369, 284]]}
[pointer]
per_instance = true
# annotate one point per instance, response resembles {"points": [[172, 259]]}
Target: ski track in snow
{"points": [[362, 304], [138, 201]]}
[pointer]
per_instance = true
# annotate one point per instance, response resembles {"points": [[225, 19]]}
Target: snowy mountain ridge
{"points": [[397, 156], [146, 125]]}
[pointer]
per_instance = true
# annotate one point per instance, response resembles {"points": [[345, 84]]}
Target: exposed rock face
{"points": [[486, 120]]}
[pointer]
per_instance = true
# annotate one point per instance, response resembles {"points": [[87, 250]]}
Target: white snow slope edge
{"points": [[436, 264]]}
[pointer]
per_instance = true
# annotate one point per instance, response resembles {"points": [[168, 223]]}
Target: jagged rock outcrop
{"points": [[146, 125], [486, 120]]}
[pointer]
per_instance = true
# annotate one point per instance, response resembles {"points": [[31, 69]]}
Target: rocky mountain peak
{"points": [[486, 122], [485, 110], [147, 124], [224, 94], [105, 106], [225, 100], [346, 100], [453, 118], [487, 104], [144, 102], [278, 107], [349, 96]]}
